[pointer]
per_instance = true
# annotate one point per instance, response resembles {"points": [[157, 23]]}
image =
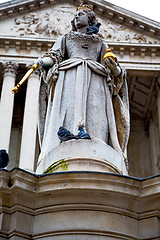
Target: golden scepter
{"points": [[16, 88]]}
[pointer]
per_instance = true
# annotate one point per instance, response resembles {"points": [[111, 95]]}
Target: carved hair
{"points": [[91, 19]]}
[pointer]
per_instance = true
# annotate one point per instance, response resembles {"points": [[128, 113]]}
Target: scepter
{"points": [[30, 71]]}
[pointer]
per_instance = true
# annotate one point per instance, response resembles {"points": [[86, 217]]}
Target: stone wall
{"points": [[78, 205]]}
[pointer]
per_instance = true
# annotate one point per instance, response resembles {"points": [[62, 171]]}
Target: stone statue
{"points": [[77, 84]]}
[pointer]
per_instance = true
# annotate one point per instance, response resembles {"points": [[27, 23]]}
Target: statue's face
{"points": [[81, 19]]}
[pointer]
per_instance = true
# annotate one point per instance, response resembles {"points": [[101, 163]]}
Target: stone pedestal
{"points": [[78, 206], [82, 155]]}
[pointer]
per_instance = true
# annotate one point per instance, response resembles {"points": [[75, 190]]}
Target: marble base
{"points": [[82, 155]]}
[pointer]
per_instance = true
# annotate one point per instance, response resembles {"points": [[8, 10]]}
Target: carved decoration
{"points": [[116, 32], [10, 67], [55, 22], [51, 23]]}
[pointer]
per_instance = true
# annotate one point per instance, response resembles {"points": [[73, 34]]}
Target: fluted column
{"points": [[6, 104], [28, 144]]}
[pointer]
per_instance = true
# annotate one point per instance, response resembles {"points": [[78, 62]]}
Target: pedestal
{"points": [[78, 206], [82, 155]]}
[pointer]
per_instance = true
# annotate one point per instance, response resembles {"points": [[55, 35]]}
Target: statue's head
{"points": [[84, 17]]}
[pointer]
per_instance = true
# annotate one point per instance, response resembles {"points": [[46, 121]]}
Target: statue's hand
{"points": [[44, 62], [113, 66], [39, 61]]}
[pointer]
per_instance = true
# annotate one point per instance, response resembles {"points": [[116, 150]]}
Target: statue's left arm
{"points": [[119, 92], [121, 109]]}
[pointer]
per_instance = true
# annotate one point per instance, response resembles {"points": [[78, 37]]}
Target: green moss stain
{"points": [[62, 163], [50, 169]]}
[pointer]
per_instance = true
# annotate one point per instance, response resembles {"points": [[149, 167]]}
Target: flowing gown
{"points": [[86, 89]]}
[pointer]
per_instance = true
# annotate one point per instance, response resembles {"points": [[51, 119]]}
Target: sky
{"points": [[149, 9]]}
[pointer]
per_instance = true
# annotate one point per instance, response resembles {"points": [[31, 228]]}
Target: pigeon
{"points": [[93, 29], [65, 135], [4, 158], [82, 133]]}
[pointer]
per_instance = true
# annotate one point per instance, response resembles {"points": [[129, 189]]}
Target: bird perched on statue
{"points": [[4, 158], [93, 29], [65, 135], [82, 133]]}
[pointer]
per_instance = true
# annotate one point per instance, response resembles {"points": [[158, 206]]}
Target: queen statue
{"points": [[79, 82]]}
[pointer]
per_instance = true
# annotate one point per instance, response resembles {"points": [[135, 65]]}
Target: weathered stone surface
{"points": [[55, 21], [82, 155], [81, 87], [139, 59], [78, 205], [117, 207]]}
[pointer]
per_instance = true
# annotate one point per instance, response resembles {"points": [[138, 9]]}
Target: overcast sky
{"points": [[150, 9]]}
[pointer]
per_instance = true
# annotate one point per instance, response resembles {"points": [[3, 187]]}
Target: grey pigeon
{"points": [[65, 135], [4, 158], [82, 133], [93, 29]]}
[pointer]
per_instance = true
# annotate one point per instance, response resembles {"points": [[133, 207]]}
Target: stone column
{"points": [[6, 104], [28, 144]]}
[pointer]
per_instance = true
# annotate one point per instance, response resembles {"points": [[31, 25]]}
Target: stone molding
{"points": [[142, 49], [95, 195], [110, 11]]}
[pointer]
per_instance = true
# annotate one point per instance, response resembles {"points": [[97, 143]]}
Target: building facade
{"points": [[125, 207]]}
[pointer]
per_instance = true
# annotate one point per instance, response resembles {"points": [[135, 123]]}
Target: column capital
{"points": [[10, 67]]}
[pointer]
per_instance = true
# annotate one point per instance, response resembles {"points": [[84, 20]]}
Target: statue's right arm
{"points": [[54, 54]]}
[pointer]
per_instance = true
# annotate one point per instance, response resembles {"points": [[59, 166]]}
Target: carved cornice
{"points": [[136, 49], [103, 8], [142, 56], [25, 43], [43, 44]]}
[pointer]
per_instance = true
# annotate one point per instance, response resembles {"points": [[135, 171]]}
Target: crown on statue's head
{"points": [[85, 7]]}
